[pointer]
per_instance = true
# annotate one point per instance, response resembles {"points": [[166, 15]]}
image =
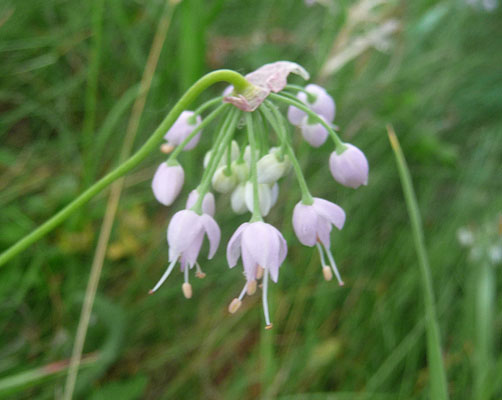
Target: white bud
{"points": [[264, 197], [247, 155], [274, 191], [270, 168], [241, 171], [234, 155], [222, 182], [237, 200]]}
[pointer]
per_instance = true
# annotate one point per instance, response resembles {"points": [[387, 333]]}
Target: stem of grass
{"points": [[437, 375]]}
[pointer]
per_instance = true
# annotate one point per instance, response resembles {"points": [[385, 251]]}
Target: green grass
{"points": [[439, 84]]}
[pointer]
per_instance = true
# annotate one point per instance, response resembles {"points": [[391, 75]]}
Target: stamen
{"points": [[326, 271], [333, 265], [166, 148], [234, 305], [199, 274], [243, 291], [186, 287], [259, 272], [164, 277], [251, 287], [265, 301]]}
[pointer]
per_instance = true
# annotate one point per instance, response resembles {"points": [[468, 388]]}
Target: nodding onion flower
{"points": [[242, 165]]}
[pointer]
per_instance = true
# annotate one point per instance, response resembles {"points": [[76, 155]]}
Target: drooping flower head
{"points": [[247, 169]]}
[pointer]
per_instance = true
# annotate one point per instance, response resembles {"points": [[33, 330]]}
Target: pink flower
{"points": [[315, 134], [208, 204], [263, 250], [167, 183], [185, 234], [312, 225], [350, 168], [182, 128], [323, 105], [259, 244]]}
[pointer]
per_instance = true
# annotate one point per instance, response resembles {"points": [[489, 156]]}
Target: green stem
{"points": [[293, 101], [205, 122], [311, 97], [217, 153], [275, 119], [437, 375], [254, 171], [208, 104], [234, 78]]}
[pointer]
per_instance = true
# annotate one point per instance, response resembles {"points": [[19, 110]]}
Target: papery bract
{"points": [[268, 78]]}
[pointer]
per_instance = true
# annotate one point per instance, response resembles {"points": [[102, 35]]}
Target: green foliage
{"points": [[439, 83]]}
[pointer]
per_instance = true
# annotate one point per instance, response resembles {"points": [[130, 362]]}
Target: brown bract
{"points": [[268, 78]]}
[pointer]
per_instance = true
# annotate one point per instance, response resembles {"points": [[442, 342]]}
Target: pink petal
{"points": [[213, 233], [234, 246], [191, 253], [323, 231], [332, 212], [305, 224], [183, 229]]}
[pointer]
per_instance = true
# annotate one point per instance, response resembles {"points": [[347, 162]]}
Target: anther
{"points": [[269, 326], [199, 274], [187, 290], [259, 272], [166, 148], [326, 271], [234, 305], [251, 287]]}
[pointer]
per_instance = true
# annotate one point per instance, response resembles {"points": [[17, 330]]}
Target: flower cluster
{"points": [[246, 162]]}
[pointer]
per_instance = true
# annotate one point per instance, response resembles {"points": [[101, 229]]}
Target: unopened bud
{"points": [[271, 169], [326, 271], [259, 272], [251, 287], [166, 148], [234, 305], [222, 182], [237, 200], [187, 290]]}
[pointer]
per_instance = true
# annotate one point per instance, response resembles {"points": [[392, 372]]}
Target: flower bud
{"points": [[167, 183], [323, 105], [264, 197], [271, 169], [182, 128], [237, 200], [222, 182], [274, 192], [241, 171], [349, 168], [247, 155], [208, 205], [315, 134], [234, 155]]}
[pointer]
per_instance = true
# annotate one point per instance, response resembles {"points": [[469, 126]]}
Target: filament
{"points": [[164, 277]]}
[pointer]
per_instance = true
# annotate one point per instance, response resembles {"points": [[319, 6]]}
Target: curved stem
{"points": [[340, 146], [234, 78], [274, 119], [311, 97], [216, 154]]}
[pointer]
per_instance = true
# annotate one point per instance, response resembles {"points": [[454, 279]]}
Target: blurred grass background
{"points": [[431, 68]]}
